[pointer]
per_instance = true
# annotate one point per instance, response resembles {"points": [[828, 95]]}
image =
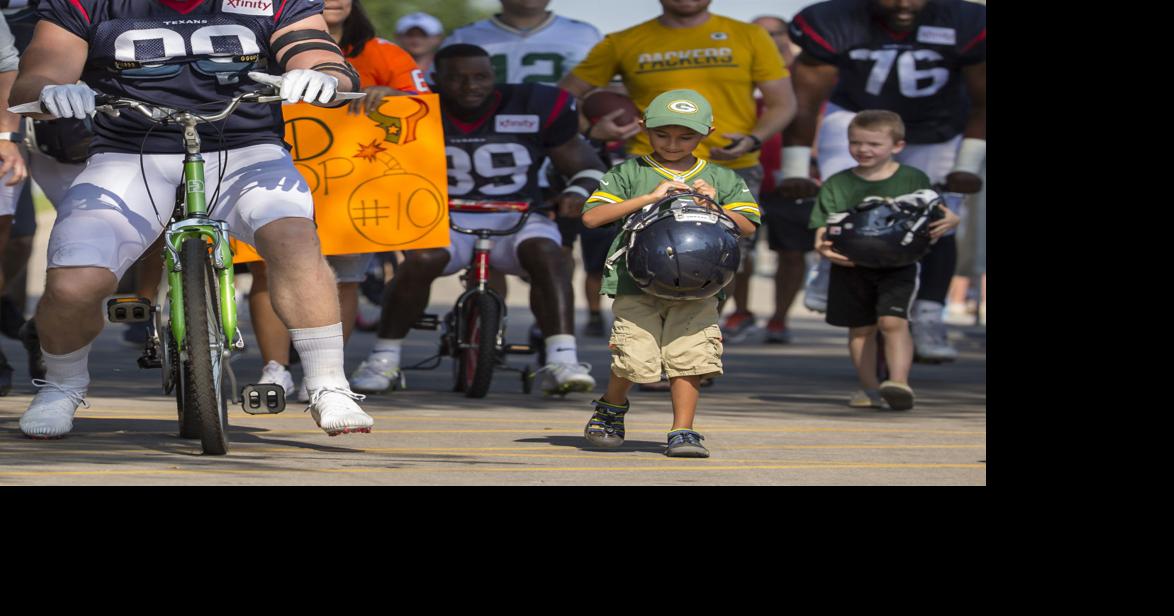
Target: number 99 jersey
{"points": [[915, 74], [182, 54], [497, 157]]}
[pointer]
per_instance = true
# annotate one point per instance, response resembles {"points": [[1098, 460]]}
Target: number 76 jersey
{"points": [[916, 74], [497, 156]]}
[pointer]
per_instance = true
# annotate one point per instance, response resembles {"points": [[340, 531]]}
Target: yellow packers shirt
{"points": [[721, 59]]}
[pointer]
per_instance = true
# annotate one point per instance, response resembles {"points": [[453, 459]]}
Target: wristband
{"points": [[971, 156], [796, 161], [578, 190], [13, 137]]}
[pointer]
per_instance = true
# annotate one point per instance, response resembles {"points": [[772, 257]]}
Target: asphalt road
{"points": [[778, 417]]}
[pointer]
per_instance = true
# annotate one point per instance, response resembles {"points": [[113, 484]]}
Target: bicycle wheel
{"points": [[479, 352], [204, 395], [189, 423]]}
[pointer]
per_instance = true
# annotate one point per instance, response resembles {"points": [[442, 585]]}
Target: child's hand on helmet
{"points": [[703, 187], [824, 247], [948, 223], [667, 186]]}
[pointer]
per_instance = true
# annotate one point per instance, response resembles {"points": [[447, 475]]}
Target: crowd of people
{"points": [[781, 122]]}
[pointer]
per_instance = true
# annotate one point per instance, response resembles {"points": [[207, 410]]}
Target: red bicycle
{"points": [[473, 333]]}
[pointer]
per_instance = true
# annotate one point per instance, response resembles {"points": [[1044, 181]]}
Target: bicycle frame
{"points": [[478, 283], [192, 220]]}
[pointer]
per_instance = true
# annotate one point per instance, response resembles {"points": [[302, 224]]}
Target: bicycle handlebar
{"points": [[111, 105], [499, 207]]}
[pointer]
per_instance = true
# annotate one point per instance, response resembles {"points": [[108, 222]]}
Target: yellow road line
{"points": [[699, 466], [492, 451], [578, 429]]}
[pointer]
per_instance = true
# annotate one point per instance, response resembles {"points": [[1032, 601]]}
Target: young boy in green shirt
{"points": [[864, 299], [651, 335]]}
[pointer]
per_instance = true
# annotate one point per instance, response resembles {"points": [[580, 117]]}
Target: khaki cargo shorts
{"points": [[651, 336]]}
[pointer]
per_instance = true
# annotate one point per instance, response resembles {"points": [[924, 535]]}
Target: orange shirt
{"points": [[384, 63]]}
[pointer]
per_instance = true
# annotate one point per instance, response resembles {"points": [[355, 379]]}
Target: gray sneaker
{"points": [[686, 444]]}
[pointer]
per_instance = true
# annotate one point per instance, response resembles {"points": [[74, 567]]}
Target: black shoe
{"points": [[594, 326], [32, 346], [5, 375], [11, 318], [135, 335]]}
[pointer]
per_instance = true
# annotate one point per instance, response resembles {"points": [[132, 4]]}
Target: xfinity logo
{"points": [[517, 123], [248, 7]]}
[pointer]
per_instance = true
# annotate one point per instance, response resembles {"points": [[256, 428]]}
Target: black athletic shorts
{"points": [[859, 296], [786, 223], [24, 222]]}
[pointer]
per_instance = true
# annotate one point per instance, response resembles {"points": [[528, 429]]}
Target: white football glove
{"points": [[70, 101], [310, 86]]}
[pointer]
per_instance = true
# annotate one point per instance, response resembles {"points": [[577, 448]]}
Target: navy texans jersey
{"points": [[187, 55], [497, 157], [916, 74]]}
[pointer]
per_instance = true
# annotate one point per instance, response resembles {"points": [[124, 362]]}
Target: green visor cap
{"points": [[680, 108]]}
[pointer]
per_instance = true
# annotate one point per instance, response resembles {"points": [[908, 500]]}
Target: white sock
{"points": [[321, 351], [70, 370], [561, 349], [388, 350]]}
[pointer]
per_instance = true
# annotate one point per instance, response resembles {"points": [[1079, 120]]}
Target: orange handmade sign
{"points": [[379, 181]]}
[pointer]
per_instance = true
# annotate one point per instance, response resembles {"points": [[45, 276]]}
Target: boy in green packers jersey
{"points": [[652, 336]]}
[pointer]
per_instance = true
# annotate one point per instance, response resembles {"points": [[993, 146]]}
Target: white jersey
{"points": [[542, 55]]}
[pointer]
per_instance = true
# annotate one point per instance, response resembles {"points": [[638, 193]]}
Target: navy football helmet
{"points": [[679, 249], [886, 232]]}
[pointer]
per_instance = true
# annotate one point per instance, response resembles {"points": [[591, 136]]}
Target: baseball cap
{"points": [[429, 24], [680, 108]]}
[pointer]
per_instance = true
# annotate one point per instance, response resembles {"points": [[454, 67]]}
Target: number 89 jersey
{"points": [[497, 157], [915, 74], [185, 54]]}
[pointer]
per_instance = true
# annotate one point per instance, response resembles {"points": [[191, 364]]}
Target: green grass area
{"points": [[40, 202]]}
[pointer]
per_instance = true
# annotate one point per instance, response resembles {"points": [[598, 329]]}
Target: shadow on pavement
{"points": [[581, 444]]}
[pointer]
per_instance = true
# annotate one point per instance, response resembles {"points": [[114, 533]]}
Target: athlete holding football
{"points": [[185, 54]]}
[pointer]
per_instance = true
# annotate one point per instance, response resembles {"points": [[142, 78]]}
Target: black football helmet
{"points": [[886, 232], [679, 249]]}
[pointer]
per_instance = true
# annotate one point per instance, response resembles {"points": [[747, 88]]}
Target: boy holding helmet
{"points": [[865, 299], [652, 335]]}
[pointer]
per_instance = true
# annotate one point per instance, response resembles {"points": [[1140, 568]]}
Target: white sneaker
{"points": [[376, 376], [335, 411], [564, 378], [50, 414], [303, 393], [815, 290], [276, 374], [931, 342]]}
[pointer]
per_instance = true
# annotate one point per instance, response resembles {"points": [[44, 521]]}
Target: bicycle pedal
{"points": [[129, 310], [427, 321], [520, 349], [148, 363], [263, 399]]}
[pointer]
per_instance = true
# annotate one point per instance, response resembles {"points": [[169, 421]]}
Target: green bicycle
{"points": [[193, 340]]}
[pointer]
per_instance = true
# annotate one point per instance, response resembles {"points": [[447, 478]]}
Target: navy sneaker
{"points": [[135, 335], [606, 427], [686, 444]]}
